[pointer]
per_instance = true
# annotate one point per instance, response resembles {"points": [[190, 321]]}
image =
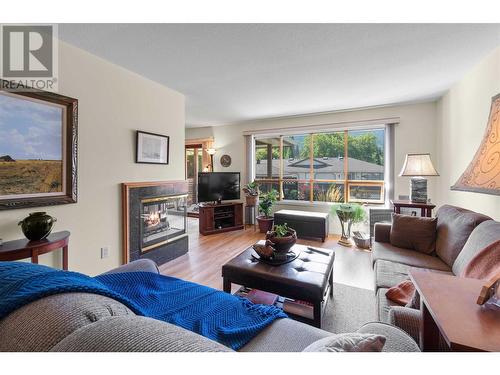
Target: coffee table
{"points": [[307, 278]]}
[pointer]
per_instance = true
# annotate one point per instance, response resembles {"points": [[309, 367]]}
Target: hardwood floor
{"points": [[203, 263]]}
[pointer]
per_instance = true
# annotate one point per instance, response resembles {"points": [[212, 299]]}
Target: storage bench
{"points": [[306, 224]]}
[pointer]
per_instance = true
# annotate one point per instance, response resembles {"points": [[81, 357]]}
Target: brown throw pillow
{"points": [[413, 232], [454, 226]]}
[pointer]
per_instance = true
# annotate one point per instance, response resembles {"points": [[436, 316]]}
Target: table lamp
{"points": [[418, 166], [211, 152]]}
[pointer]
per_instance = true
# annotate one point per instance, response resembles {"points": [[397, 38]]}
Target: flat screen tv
{"points": [[217, 186]]}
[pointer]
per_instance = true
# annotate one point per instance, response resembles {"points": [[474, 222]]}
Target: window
{"points": [[342, 166]]}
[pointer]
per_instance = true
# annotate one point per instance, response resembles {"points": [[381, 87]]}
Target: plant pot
{"points": [[252, 200], [282, 244], [37, 225], [265, 223]]}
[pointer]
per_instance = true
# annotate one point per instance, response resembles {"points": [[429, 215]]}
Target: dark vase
{"points": [[37, 225]]}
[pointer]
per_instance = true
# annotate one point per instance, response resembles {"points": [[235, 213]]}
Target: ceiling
{"points": [[237, 72]]}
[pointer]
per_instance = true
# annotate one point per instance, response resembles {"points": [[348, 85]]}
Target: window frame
{"points": [[346, 182]]}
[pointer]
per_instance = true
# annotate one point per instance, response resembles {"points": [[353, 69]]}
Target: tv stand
{"points": [[218, 218]]}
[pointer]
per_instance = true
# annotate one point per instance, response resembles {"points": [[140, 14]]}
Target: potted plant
{"points": [[266, 203], [251, 191], [283, 238], [348, 214]]}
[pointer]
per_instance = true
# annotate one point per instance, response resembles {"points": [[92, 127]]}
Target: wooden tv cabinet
{"points": [[218, 218]]}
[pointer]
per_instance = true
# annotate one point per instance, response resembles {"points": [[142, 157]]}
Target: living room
{"points": [[250, 187]]}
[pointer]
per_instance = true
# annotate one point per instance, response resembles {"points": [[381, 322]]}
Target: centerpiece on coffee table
{"points": [[283, 237], [276, 249]]}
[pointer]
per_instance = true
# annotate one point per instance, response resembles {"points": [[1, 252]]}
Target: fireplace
{"points": [[154, 220], [163, 219]]}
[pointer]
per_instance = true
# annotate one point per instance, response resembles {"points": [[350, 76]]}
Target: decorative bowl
{"points": [[282, 244]]}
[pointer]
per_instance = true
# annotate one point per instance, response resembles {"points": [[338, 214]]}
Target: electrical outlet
{"points": [[104, 252]]}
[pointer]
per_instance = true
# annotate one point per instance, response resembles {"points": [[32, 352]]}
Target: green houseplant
{"points": [[283, 238], [266, 203], [348, 214], [251, 191]]}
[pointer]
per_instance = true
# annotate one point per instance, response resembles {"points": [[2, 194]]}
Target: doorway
{"points": [[194, 164]]}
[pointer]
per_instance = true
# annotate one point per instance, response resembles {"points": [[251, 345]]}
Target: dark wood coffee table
{"points": [[308, 278]]}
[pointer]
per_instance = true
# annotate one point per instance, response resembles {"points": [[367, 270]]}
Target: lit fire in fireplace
{"points": [[152, 220]]}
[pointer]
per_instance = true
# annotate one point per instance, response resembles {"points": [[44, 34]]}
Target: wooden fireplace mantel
{"points": [[176, 187]]}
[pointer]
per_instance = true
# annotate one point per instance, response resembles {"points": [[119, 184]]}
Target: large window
{"points": [[343, 166]]}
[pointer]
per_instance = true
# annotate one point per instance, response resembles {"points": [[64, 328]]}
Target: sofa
{"points": [[75, 322], [460, 235]]}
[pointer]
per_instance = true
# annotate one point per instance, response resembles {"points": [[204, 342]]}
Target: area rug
{"points": [[349, 309]]}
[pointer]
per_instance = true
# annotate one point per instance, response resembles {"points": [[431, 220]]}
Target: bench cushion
{"points": [[386, 251], [305, 215], [383, 305]]}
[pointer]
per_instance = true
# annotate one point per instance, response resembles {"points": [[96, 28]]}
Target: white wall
{"points": [[113, 103], [415, 133], [462, 119]]}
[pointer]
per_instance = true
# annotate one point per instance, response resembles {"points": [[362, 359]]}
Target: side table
{"points": [[449, 310], [425, 208], [22, 249]]}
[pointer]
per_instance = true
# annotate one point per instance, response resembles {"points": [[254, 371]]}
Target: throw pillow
{"points": [[348, 342], [413, 232], [402, 293], [454, 226]]}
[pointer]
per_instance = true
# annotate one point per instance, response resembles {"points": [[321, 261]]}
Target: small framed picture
{"points": [[151, 148]]}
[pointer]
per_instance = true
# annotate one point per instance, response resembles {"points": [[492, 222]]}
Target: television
{"points": [[218, 186]]}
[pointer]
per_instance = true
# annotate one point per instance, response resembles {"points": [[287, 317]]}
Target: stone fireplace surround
{"points": [[134, 195]]}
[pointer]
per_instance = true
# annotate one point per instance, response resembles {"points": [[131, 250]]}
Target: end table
{"points": [[22, 249], [425, 208], [449, 309]]}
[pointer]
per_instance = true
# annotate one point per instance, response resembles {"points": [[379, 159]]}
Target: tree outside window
{"points": [[338, 166]]}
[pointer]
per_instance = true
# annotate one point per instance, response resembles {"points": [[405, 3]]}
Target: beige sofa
{"points": [[460, 235]]}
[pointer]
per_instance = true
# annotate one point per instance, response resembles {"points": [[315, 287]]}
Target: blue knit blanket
{"points": [[230, 320]]}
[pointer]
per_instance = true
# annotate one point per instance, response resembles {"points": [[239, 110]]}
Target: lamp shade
{"points": [[418, 165], [483, 173], [211, 151]]}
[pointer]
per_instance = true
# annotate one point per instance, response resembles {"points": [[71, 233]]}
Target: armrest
{"points": [[141, 265], [407, 319], [382, 232], [396, 339], [135, 334]]}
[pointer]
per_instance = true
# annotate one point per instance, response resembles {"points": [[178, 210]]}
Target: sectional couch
{"points": [[460, 234], [94, 323]]}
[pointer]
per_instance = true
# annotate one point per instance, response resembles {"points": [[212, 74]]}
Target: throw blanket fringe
{"points": [[230, 320]]}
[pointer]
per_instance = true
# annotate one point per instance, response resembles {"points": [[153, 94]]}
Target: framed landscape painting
{"points": [[38, 149], [152, 148]]}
